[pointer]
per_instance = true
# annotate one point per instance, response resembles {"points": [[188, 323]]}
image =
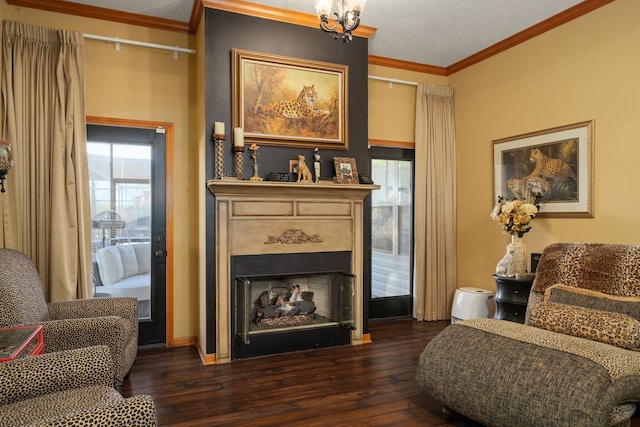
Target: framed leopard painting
{"points": [[553, 168], [287, 101]]}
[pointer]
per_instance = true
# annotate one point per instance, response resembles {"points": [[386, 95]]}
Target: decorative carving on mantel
{"points": [[293, 237]]}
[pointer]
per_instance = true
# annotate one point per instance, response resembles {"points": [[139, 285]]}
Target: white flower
{"points": [[530, 209], [514, 216], [508, 206]]}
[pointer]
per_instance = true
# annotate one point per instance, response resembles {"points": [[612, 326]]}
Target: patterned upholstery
{"points": [[68, 324], [68, 388], [503, 373]]}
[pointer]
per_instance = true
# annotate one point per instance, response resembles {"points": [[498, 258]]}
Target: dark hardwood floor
{"points": [[368, 385]]}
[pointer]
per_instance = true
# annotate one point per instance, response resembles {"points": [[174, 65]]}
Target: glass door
{"points": [[391, 233], [127, 189]]}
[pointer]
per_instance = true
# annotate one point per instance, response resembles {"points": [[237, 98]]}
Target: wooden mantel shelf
{"points": [[232, 186]]}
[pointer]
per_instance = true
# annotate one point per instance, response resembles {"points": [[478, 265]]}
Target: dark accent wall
{"points": [[225, 31]]}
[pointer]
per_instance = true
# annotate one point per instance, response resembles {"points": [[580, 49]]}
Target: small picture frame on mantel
{"points": [[346, 170]]}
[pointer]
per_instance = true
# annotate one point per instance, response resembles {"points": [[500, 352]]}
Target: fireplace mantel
{"points": [[266, 217], [328, 188]]}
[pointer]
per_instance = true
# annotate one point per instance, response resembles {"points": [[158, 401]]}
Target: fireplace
{"points": [[291, 302], [288, 266]]}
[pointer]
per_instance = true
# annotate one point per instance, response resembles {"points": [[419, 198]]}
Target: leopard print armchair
{"points": [[68, 388], [68, 324]]}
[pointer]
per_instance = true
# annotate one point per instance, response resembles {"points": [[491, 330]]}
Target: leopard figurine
{"points": [[301, 108]]}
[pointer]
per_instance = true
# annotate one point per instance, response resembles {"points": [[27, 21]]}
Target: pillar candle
{"points": [[218, 128], [238, 137]]}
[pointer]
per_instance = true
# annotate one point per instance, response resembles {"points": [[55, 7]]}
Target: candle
{"points": [[218, 128], [238, 137]]}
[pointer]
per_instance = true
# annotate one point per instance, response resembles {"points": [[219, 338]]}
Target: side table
{"points": [[511, 298], [17, 342]]}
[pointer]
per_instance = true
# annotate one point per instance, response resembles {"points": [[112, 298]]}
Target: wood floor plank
{"points": [[368, 385]]}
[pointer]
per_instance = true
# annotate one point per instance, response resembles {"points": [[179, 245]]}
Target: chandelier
{"points": [[344, 13]]}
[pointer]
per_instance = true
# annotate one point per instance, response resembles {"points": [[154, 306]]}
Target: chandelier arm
{"points": [[356, 22], [353, 27], [324, 24]]}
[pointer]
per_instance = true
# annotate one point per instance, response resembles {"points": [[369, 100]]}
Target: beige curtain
{"points": [[46, 211], [435, 203]]}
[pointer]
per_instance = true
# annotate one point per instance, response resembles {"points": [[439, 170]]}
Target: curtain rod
{"points": [[392, 81], [117, 41]]}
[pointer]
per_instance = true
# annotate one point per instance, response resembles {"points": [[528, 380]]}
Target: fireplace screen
{"points": [[276, 303]]}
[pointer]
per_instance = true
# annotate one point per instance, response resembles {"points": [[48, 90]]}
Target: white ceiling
{"points": [[430, 32]]}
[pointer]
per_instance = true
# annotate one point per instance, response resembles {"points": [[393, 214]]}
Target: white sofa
{"points": [[125, 270]]}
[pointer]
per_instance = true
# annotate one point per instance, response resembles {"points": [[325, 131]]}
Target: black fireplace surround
{"points": [[284, 340]]}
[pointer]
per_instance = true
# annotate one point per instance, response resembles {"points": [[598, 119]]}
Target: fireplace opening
{"points": [[290, 302]]}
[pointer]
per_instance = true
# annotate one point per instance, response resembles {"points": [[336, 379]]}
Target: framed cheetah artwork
{"points": [[553, 167], [290, 102]]}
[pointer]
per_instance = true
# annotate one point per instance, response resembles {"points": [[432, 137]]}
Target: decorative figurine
{"points": [[316, 164], [254, 147], [304, 174]]}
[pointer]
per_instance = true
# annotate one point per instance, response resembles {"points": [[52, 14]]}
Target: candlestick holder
{"points": [[238, 161], [254, 156], [218, 155]]}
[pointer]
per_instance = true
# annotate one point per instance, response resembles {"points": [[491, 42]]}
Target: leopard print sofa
{"points": [[68, 324], [68, 388]]}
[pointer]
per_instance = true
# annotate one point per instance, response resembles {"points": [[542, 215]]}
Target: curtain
{"points": [[435, 203], [46, 211]]}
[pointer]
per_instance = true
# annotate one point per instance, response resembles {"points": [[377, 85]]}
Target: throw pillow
{"points": [[615, 329], [129, 261], [629, 305], [109, 265]]}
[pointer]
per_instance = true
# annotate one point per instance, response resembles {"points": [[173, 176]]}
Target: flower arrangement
{"points": [[514, 216]]}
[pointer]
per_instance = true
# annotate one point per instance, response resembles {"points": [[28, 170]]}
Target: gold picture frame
{"points": [[556, 162], [285, 101], [346, 170]]}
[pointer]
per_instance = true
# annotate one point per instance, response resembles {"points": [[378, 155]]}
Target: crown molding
{"points": [[277, 14], [406, 65], [196, 16], [542, 27], [102, 13]]}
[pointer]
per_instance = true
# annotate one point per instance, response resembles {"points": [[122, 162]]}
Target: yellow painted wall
{"points": [[392, 107], [201, 127], [587, 69], [139, 83]]}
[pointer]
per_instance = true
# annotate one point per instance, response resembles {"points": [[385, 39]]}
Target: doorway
{"points": [[392, 232], [127, 181]]}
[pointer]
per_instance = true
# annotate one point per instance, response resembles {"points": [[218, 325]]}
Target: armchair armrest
{"points": [[137, 411], [54, 372], [126, 307], [66, 334]]}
